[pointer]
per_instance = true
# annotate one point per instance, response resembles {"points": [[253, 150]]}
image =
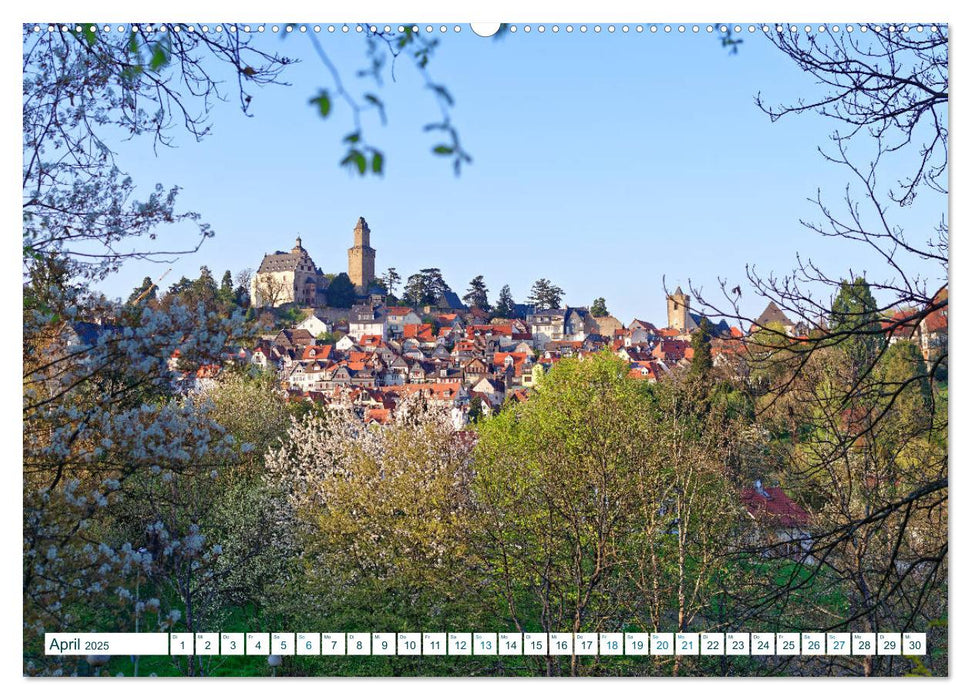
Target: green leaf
{"points": [[443, 150], [377, 163], [356, 158], [160, 56], [322, 100], [407, 37], [353, 137]]}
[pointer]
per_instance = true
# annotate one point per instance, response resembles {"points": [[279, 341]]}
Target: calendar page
{"points": [[597, 347]]}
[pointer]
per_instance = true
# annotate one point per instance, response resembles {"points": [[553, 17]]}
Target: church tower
{"points": [[678, 310], [360, 258]]}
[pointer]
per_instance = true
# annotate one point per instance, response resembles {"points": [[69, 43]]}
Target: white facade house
{"points": [[546, 326], [346, 343], [315, 325], [367, 320]]}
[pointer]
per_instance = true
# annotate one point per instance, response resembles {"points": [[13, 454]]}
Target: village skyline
{"points": [[694, 182]]}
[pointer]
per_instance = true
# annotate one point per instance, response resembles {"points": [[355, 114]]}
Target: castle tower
{"points": [[360, 258], [678, 310]]}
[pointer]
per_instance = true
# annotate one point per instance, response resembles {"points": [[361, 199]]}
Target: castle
{"points": [[294, 278]]}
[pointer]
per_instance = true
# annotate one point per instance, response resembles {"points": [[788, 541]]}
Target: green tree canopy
{"points": [[478, 294], [545, 294], [426, 287], [602, 496], [505, 306], [181, 287], [854, 321], [391, 280], [599, 308], [341, 293], [226, 290], [701, 361]]}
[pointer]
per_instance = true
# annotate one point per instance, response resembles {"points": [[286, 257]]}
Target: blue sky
{"points": [[603, 162]]}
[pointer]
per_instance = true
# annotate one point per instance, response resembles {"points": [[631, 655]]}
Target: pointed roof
{"points": [[774, 505], [772, 314]]}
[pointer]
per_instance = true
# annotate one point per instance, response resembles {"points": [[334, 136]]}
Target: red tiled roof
{"points": [[500, 357], [413, 330], [671, 349], [558, 344], [377, 415], [778, 507], [900, 324], [371, 340], [399, 310], [316, 352], [520, 395], [494, 329], [935, 322], [727, 346], [644, 370]]}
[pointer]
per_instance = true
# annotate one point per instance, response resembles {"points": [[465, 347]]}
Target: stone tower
{"points": [[678, 310], [360, 258]]}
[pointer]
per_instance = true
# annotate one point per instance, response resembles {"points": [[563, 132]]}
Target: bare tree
{"points": [[84, 88], [270, 291], [860, 377]]}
